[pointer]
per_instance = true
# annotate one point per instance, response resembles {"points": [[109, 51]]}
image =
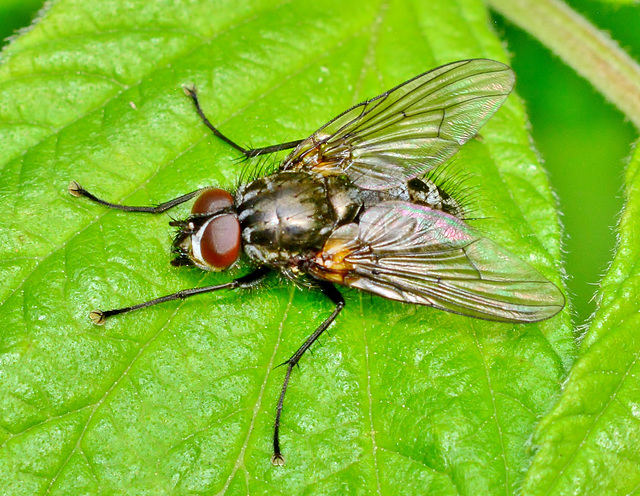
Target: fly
{"points": [[350, 206]]}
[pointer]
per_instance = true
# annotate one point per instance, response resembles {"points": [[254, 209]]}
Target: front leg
{"points": [[252, 279], [76, 190], [336, 297]]}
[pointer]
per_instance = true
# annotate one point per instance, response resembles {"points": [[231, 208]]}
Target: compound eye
{"points": [[220, 242], [211, 201]]}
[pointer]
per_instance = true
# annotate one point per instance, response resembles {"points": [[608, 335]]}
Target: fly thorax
{"points": [[344, 197], [283, 216]]}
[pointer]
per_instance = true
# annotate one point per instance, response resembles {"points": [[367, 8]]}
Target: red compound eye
{"points": [[212, 200], [220, 242]]}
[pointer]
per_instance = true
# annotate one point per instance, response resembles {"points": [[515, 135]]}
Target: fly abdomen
{"points": [[422, 191]]}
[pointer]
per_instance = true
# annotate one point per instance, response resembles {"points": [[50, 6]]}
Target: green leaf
{"points": [[588, 444], [180, 398]]}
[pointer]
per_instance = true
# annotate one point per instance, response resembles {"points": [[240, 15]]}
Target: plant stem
{"points": [[591, 52]]}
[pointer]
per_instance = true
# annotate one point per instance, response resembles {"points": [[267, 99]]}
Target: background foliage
{"points": [[584, 142]]}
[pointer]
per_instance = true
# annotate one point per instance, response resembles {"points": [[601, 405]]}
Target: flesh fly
{"points": [[350, 206]]}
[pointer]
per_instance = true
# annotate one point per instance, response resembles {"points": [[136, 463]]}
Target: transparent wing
{"points": [[385, 141], [414, 254]]}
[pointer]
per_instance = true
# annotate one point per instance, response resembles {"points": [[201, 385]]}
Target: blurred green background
{"points": [[583, 140]]}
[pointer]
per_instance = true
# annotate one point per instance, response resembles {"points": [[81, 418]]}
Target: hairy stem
{"points": [[591, 52]]}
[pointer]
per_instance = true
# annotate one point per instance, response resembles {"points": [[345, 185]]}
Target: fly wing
{"points": [[394, 137], [414, 254]]}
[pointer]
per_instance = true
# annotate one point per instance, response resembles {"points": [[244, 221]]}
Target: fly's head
{"points": [[210, 237]]}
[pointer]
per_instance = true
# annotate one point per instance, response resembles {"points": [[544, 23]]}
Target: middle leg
{"points": [[190, 91], [336, 297]]}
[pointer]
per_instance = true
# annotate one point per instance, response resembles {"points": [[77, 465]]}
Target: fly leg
{"points": [[76, 190], [334, 295], [99, 317], [190, 91]]}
